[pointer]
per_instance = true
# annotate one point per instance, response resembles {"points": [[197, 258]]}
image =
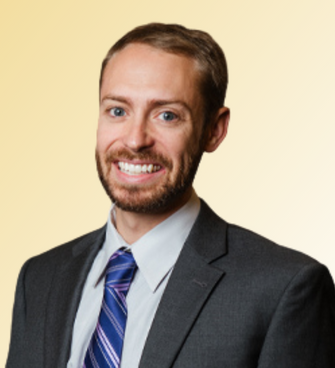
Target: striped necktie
{"points": [[105, 347]]}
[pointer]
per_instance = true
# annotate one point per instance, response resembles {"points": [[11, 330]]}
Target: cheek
{"points": [[105, 137], [179, 153]]}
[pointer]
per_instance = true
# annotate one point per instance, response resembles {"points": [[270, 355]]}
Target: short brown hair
{"points": [[195, 44]]}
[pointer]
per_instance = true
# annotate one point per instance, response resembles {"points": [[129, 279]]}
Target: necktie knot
{"points": [[120, 271]]}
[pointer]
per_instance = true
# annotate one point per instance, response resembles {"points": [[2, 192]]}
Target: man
{"points": [[201, 292]]}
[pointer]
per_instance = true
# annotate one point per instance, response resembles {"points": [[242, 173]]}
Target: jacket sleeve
{"points": [[302, 330], [17, 342]]}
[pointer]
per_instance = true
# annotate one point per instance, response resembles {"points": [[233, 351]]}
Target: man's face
{"points": [[149, 131]]}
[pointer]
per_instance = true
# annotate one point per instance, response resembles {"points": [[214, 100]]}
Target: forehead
{"points": [[142, 68]]}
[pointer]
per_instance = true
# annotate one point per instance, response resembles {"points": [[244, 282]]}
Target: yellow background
{"points": [[274, 173]]}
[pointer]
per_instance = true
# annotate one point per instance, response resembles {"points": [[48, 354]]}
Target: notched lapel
{"points": [[190, 285], [64, 298]]}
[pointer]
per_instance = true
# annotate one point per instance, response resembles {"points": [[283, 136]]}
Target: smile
{"points": [[137, 169]]}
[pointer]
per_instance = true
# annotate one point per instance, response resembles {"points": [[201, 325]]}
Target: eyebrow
{"points": [[114, 98], [152, 102]]}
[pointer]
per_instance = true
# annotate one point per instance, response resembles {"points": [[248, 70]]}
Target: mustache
{"points": [[155, 157]]}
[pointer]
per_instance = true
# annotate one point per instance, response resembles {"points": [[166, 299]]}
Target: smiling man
{"points": [[151, 133], [166, 282]]}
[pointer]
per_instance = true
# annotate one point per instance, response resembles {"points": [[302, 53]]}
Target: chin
{"points": [[151, 203]]}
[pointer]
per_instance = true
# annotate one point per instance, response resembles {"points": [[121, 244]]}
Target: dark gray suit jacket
{"points": [[234, 300]]}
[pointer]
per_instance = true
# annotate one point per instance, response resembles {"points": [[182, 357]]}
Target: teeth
{"points": [[137, 169]]}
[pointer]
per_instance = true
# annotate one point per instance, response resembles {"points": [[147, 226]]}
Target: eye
{"points": [[167, 116], [117, 111]]}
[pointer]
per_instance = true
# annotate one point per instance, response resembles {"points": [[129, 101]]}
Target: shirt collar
{"points": [[156, 252]]}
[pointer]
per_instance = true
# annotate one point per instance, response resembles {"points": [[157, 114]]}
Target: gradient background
{"points": [[274, 173]]}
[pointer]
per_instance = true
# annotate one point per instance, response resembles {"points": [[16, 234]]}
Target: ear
{"points": [[218, 130]]}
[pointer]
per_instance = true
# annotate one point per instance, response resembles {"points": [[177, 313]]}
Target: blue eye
{"points": [[117, 111], [167, 116]]}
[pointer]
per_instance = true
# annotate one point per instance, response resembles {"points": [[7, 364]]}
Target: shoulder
{"points": [[254, 255], [275, 264], [245, 242], [269, 271], [55, 257], [269, 274], [260, 253]]}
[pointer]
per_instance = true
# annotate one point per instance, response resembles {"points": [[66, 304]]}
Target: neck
{"points": [[132, 226]]}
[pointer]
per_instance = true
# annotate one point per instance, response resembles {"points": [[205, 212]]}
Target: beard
{"points": [[149, 199]]}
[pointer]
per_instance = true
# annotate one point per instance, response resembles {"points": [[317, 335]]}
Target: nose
{"points": [[138, 136]]}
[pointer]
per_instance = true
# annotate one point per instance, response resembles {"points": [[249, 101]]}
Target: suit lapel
{"points": [[64, 297], [189, 287]]}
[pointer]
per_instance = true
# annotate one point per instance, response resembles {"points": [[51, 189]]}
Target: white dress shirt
{"points": [[155, 253]]}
